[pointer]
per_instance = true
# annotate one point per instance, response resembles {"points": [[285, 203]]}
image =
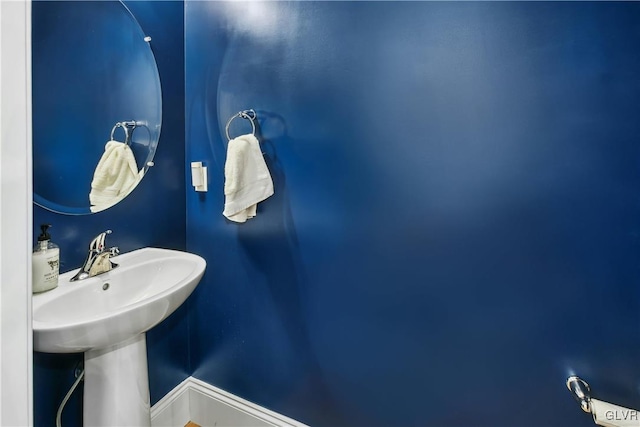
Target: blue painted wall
{"points": [[456, 221], [153, 215], [455, 225]]}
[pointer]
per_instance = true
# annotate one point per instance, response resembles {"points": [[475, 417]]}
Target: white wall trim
{"points": [[206, 405], [173, 409], [16, 342]]}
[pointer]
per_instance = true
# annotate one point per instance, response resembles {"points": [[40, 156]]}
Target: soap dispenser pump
{"points": [[46, 262]]}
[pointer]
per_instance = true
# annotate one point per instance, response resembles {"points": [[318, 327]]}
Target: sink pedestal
{"points": [[116, 385]]}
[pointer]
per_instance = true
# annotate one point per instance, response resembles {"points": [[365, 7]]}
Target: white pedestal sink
{"points": [[106, 317]]}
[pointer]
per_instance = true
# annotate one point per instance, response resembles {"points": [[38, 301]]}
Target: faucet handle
{"points": [[114, 251]]}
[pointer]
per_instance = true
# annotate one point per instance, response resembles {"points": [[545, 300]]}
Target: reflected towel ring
{"points": [[128, 128], [246, 114]]}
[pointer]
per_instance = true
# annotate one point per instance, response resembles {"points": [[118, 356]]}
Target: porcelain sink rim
{"points": [[66, 287]]}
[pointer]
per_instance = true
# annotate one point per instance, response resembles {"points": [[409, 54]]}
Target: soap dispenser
{"points": [[46, 262]]}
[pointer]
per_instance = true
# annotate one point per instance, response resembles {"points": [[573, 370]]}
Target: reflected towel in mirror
{"points": [[115, 176]]}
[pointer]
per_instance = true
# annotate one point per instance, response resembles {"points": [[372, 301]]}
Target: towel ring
{"points": [[246, 114], [128, 128]]}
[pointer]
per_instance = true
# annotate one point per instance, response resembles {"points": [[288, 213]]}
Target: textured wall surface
{"points": [[456, 219], [153, 215]]}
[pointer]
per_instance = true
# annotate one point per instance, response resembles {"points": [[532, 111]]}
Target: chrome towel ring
{"points": [[245, 114], [581, 392], [128, 128]]}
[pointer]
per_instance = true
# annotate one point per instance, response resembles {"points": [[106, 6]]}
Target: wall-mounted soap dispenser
{"points": [[46, 262]]}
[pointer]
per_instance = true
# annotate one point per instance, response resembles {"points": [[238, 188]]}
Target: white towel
{"points": [[115, 176], [247, 179]]}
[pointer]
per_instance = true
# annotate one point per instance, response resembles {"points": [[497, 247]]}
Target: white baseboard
{"points": [[206, 405], [173, 409]]}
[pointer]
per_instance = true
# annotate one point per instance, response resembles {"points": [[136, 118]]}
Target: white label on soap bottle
{"points": [[45, 269]]}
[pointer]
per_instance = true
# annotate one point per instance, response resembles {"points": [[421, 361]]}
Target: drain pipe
{"points": [[64, 401]]}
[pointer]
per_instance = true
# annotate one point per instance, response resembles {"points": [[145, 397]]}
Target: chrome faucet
{"points": [[98, 259]]}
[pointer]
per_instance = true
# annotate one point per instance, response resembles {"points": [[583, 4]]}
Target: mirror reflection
{"points": [[97, 106]]}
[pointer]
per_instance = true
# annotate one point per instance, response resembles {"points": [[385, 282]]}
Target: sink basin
{"points": [[106, 318], [148, 285]]}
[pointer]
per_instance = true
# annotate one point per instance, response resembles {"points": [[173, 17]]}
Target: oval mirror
{"points": [[97, 104]]}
